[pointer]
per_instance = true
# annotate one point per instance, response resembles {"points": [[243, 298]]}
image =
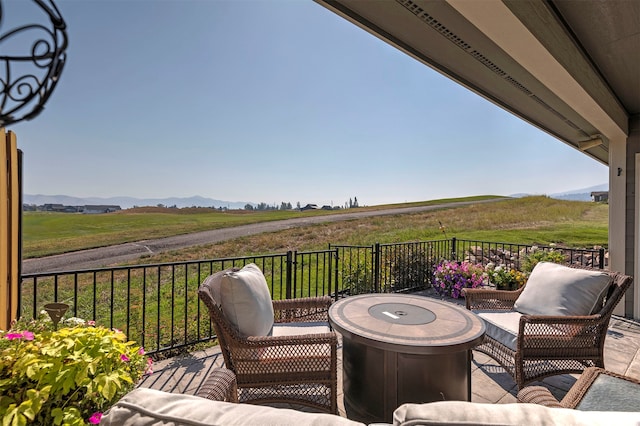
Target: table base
{"points": [[377, 381]]}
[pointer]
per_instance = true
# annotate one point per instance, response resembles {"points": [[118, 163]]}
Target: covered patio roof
{"points": [[570, 67]]}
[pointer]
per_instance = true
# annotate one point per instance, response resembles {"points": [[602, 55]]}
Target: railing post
{"points": [[601, 258], [288, 278], [335, 273], [454, 250], [376, 267]]}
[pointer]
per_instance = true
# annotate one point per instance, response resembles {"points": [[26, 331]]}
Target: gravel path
{"points": [[121, 253]]}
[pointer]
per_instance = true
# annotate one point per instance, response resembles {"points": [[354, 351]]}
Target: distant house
{"points": [[100, 209], [309, 207], [600, 197]]}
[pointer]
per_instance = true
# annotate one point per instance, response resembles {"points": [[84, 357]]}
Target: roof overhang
{"points": [[525, 56]]}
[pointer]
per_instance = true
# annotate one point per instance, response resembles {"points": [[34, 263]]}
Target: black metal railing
{"points": [[157, 305]]}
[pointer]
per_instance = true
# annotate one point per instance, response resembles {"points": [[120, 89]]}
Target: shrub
{"points": [[537, 255], [410, 269], [450, 277], [69, 376], [358, 279]]}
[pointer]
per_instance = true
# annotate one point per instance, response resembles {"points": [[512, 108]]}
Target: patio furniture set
{"points": [[406, 358]]}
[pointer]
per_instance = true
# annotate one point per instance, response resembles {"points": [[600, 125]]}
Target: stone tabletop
{"points": [[406, 323]]}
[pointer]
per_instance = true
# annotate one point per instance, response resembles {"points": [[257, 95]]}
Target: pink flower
{"points": [[95, 418], [27, 335], [124, 358], [91, 323], [141, 351], [12, 336]]}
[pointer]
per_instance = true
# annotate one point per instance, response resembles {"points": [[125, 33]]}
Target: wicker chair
{"points": [[297, 369], [595, 390], [549, 345]]}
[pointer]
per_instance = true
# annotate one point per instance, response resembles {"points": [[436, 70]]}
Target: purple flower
{"points": [[95, 418]]}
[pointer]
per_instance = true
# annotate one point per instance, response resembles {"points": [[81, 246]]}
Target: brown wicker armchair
{"points": [[595, 390], [548, 345], [298, 369]]}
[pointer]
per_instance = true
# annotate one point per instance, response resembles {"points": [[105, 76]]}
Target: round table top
{"points": [[406, 323]]}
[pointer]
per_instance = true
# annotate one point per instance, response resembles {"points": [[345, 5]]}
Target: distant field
{"points": [[530, 220], [47, 233]]}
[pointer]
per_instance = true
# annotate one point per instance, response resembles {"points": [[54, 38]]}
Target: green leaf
{"points": [[57, 415]]}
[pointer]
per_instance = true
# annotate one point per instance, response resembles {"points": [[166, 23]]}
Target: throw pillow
{"points": [[554, 289], [246, 302]]}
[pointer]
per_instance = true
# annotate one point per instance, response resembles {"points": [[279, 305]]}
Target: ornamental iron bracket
{"points": [[31, 59]]}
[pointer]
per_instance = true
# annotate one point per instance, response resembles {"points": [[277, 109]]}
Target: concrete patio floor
{"points": [[489, 382]]}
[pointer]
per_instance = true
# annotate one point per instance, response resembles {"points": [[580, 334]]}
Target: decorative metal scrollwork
{"points": [[31, 59]]}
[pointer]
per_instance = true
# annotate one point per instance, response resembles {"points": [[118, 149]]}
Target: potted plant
{"points": [[68, 375], [450, 277]]}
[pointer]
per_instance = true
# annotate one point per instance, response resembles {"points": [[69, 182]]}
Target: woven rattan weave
{"points": [[300, 369], [543, 396], [549, 345]]}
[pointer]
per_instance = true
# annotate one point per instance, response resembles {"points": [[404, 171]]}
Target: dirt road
{"points": [[112, 255]]}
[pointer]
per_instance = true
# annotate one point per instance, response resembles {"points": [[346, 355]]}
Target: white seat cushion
{"points": [[473, 413], [300, 328], [246, 302], [149, 407], [501, 325], [554, 289]]}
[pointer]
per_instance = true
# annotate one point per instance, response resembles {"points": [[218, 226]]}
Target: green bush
{"points": [[69, 376], [532, 259], [411, 269], [358, 279]]}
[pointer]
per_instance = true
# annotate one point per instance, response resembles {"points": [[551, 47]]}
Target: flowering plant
{"points": [[505, 278], [450, 277], [67, 376]]}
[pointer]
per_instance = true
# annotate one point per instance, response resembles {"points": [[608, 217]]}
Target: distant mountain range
{"points": [[129, 202], [583, 194]]}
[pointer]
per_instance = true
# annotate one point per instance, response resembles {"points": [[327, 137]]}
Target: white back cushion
{"points": [[554, 289], [246, 302]]}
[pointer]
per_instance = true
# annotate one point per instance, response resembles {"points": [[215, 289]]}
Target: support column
{"points": [[617, 208], [10, 210], [632, 223]]}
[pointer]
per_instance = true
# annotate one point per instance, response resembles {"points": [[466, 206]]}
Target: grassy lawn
{"points": [[46, 233], [157, 305], [531, 220]]}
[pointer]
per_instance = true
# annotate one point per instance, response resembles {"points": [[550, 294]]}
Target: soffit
{"points": [[440, 34]]}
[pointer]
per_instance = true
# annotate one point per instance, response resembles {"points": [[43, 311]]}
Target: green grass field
{"points": [[157, 304], [529, 220]]}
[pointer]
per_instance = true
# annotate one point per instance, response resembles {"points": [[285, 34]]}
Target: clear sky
{"points": [[270, 101]]}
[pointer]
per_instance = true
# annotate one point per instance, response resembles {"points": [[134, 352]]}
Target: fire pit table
{"points": [[403, 348]]}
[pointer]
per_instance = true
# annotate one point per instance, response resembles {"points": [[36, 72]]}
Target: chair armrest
{"points": [[304, 309], [480, 298], [220, 385], [538, 395], [542, 335], [330, 338], [536, 324]]}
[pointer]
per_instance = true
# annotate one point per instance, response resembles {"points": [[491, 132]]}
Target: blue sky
{"points": [[270, 101]]}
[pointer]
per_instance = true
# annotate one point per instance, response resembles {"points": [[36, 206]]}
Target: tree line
{"points": [[352, 203]]}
